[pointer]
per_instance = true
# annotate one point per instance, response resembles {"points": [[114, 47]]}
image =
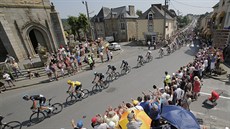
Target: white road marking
{"points": [[210, 94]]}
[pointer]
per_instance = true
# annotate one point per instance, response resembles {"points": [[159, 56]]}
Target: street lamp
{"points": [[87, 11]]}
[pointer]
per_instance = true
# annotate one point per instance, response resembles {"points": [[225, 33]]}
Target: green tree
{"points": [[74, 25], [139, 13], [84, 24]]}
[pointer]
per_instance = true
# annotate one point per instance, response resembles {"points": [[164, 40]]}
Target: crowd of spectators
{"points": [[180, 88]]}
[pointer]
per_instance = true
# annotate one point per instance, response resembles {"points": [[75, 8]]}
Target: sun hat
{"points": [[135, 102]]}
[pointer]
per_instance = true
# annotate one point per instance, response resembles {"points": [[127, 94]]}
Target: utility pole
{"points": [[164, 25], [87, 11]]}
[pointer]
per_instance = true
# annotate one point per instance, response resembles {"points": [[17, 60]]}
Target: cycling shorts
{"points": [[42, 101], [78, 87], [101, 77]]}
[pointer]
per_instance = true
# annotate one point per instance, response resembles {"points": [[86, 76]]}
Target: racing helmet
{"points": [[26, 97], [69, 82]]}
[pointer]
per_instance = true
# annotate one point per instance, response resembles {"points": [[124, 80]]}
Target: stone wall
{"points": [[19, 17]]}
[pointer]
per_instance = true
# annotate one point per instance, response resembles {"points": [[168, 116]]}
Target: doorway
{"points": [[3, 51], [36, 37]]}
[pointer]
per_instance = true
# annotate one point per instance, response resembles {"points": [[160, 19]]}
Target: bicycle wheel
{"points": [[57, 108], [150, 58], [128, 70], [13, 125], [139, 64], [117, 75], [123, 71], [109, 78], [96, 89], [86, 93], [37, 117], [105, 84], [71, 99]]}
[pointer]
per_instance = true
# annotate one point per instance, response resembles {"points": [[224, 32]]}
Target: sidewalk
{"points": [[25, 82], [224, 76]]}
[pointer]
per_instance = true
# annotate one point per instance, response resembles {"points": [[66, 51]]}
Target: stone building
{"points": [[118, 22], [150, 24], [24, 24]]}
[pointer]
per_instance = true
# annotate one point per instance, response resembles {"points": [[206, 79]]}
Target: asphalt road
{"points": [[130, 86]]}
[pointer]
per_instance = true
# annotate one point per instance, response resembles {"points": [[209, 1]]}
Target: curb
{"points": [[34, 84]]}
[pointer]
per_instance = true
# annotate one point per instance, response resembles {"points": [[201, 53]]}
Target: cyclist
{"points": [[124, 64], [100, 77], [140, 59], [168, 49], [112, 68], [75, 87], [161, 51], [148, 54], [41, 99]]}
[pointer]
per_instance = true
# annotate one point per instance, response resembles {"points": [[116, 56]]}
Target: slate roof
{"points": [[158, 12], [120, 12], [101, 15], [216, 5]]}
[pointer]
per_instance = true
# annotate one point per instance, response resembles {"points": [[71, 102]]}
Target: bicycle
{"points": [[99, 87], [125, 70], [112, 76], [149, 58], [71, 99], [39, 115], [140, 63], [10, 125], [161, 53]]}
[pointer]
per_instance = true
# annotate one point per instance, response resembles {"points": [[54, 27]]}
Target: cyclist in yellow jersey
{"points": [[75, 86]]}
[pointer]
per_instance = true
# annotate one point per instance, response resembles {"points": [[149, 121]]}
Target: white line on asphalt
{"points": [[210, 94]]}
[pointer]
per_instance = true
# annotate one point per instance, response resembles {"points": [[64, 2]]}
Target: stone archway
{"points": [[36, 37]]}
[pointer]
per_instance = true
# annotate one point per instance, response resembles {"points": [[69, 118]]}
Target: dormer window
{"points": [[150, 16]]}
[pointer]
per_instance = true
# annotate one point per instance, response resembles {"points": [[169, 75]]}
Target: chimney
{"points": [[131, 10], [159, 6]]}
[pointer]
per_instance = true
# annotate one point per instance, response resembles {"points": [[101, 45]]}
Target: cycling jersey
{"points": [[113, 68], [125, 63], [140, 57], [39, 98], [77, 83], [100, 76]]}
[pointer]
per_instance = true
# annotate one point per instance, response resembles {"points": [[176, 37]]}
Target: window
{"points": [[150, 28], [150, 16], [122, 26]]}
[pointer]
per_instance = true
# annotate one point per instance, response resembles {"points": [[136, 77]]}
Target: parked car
{"points": [[114, 46]]}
